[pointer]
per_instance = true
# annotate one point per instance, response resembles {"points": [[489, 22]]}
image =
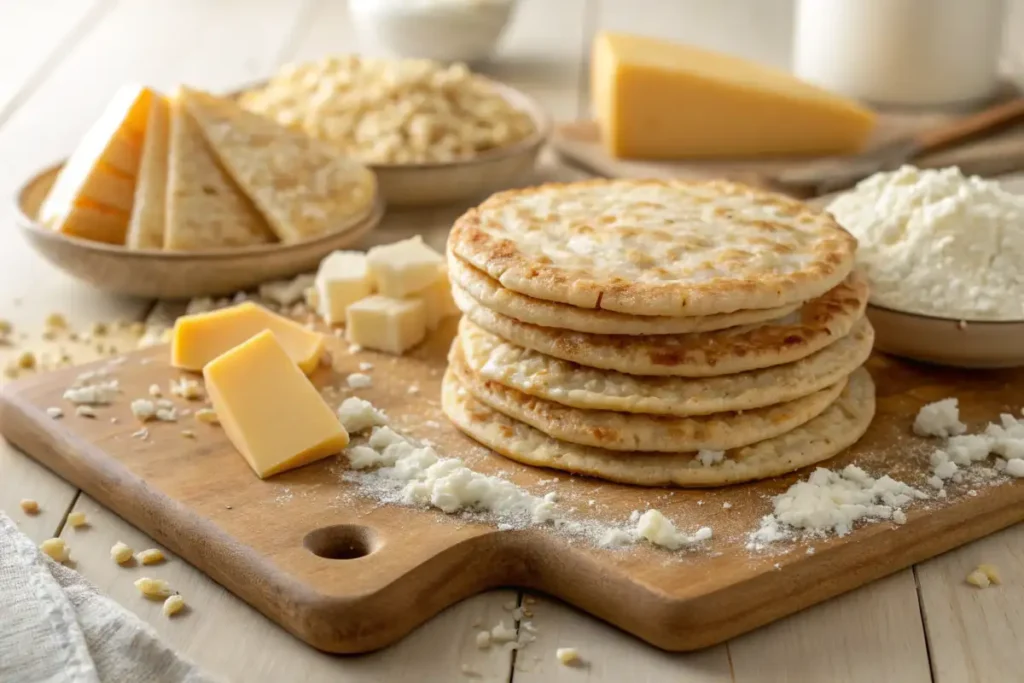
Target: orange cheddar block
{"points": [[655, 99], [199, 338], [269, 410]]}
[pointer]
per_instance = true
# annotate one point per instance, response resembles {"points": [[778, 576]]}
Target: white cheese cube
{"points": [[437, 301], [385, 324], [342, 280], [405, 267]]}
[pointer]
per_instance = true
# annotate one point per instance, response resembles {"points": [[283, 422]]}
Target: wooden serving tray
{"points": [[347, 574]]}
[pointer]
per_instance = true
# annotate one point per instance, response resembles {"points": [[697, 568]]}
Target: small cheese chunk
{"points": [[567, 655], [342, 280], [654, 99], [173, 605], [200, 338], [121, 553], [405, 267], [269, 410], [437, 302], [385, 324], [154, 589], [94, 192]]}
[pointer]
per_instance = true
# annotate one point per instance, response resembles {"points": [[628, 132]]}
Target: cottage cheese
{"points": [[936, 242]]}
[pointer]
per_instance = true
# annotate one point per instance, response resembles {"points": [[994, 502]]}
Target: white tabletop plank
{"points": [[974, 634], [606, 653], [33, 37]]}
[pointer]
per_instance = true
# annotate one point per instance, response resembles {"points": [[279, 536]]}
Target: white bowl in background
{"points": [[443, 30]]}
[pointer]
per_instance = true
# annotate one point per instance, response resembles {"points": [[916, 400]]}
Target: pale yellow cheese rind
{"points": [[385, 324], [269, 409], [146, 226], [654, 99], [100, 174], [205, 209], [198, 339]]}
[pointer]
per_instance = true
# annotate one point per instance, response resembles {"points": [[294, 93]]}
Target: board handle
{"points": [[970, 127]]}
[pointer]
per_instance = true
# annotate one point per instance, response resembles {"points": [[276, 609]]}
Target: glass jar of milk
{"points": [[901, 52]]}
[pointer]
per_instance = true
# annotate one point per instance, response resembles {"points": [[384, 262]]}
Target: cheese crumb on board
{"points": [[102, 393], [155, 391], [29, 506], [85, 411], [188, 389], [173, 605], [286, 292], [365, 367], [358, 415], [358, 380], [1015, 467], [832, 502], [978, 578], [483, 639], [56, 549], [143, 409], [121, 553], [502, 633], [567, 655], [76, 519], [660, 530], [154, 589], [151, 556], [207, 416], [936, 242], [55, 412], [941, 418], [991, 572]]}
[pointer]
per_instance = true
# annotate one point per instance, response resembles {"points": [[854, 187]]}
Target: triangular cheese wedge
{"points": [[205, 209], [304, 186], [655, 99], [146, 227], [93, 194]]}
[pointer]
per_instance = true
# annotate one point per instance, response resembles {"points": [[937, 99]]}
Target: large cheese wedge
{"points": [[660, 100], [269, 410], [146, 227], [198, 339], [304, 186], [93, 194], [205, 208]]}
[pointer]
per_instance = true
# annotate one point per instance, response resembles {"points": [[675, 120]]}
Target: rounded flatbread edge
{"points": [[490, 293], [502, 260], [576, 386], [832, 432]]}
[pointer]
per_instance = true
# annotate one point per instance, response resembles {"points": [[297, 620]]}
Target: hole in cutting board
{"points": [[341, 542]]}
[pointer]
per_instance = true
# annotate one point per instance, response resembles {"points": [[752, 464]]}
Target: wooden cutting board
{"points": [[578, 143], [348, 574]]}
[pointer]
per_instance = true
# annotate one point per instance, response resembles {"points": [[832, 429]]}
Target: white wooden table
{"points": [[60, 60]]}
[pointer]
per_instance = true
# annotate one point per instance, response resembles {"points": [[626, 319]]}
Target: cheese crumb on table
{"points": [[101, 393], [55, 412], [154, 589], [188, 389], [29, 506], [567, 655], [155, 391], [483, 639], [151, 556], [207, 416], [173, 604], [121, 553], [991, 572], [941, 418], [76, 519], [56, 549], [85, 411], [502, 633], [978, 578], [143, 409], [358, 415]]}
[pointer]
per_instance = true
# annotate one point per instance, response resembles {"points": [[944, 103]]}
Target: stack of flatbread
{"points": [[658, 332]]}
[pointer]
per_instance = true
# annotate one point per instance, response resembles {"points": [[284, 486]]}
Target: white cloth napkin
{"points": [[55, 627]]}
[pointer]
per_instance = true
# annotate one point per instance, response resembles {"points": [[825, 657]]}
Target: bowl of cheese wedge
{"points": [[432, 133], [191, 195]]}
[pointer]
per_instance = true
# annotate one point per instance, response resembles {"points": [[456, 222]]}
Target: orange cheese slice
{"points": [[269, 410], [198, 339]]}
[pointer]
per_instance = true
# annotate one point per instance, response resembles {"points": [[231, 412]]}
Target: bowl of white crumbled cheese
{"points": [[945, 256]]}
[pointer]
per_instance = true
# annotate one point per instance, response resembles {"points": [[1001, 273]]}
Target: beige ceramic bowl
{"points": [[942, 341], [438, 183], [158, 274]]}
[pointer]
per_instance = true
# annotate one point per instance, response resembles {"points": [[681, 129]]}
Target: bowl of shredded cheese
{"points": [[432, 133], [944, 255]]}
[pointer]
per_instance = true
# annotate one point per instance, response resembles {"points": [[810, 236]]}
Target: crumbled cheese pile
{"points": [[832, 502], [939, 243], [398, 470], [942, 419]]}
